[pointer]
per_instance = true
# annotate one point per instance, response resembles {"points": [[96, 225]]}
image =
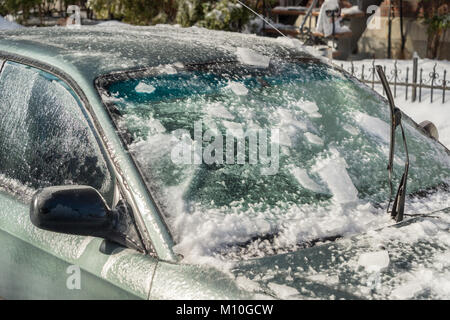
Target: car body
{"points": [[39, 264]]}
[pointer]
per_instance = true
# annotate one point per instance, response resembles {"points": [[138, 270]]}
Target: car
{"points": [[182, 163]]}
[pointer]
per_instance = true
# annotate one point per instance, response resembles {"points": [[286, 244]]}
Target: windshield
{"points": [[233, 152]]}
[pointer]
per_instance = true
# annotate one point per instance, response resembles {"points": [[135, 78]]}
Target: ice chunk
{"points": [[282, 291], [351, 129], [236, 129], [313, 138], [143, 87], [250, 57], [374, 261], [285, 139], [373, 126], [166, 69], [310, 108], [238, 88], [325, 278], [333, 171], [406, 291], [247, 284], [302, 177], [156, 126], [218, 110], [286, 118]]}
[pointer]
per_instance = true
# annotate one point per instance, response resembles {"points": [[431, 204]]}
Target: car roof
{"points": [[97, 50]]}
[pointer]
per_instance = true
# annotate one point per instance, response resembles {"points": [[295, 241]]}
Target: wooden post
{"points": [[414, 77]]}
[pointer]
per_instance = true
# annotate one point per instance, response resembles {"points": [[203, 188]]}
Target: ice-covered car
{"points": [[162, 162]]}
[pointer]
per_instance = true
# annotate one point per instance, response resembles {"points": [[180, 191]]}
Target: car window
{"points": [[325, 166], [45, 139]]}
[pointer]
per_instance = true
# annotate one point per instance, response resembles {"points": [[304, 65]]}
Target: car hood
{"points": [[408, 260]]}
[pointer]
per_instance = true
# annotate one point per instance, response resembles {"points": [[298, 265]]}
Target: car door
{"points": [[46, 139]]}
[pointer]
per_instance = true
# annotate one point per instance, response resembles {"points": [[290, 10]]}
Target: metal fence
{"points": [[414, 80]]}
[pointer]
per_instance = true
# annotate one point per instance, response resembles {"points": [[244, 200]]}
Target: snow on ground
{"points": [[8, 25], [437, 112]]}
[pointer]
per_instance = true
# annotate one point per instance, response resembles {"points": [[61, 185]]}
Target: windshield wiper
{"points": [[398, 207]]}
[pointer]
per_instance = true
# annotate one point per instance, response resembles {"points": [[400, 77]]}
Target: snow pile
{"points": [[8, 25]]}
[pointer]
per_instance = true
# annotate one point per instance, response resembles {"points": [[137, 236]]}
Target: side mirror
{"points": [[430, 128], [81, 210]]}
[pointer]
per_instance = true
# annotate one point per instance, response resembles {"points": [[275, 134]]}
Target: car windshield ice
{"points": [[232, 152]]}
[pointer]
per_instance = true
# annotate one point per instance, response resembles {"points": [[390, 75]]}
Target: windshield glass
{"points": [[293, 149]]}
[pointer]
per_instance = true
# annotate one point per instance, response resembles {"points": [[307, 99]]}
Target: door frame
{"points": [[99, 135]]}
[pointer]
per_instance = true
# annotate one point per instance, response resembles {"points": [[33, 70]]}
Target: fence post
{"points": [[420, 86], [414, 77], [373, 74], [395, 78], [444, 82], [433, 77], [406, 80]]}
